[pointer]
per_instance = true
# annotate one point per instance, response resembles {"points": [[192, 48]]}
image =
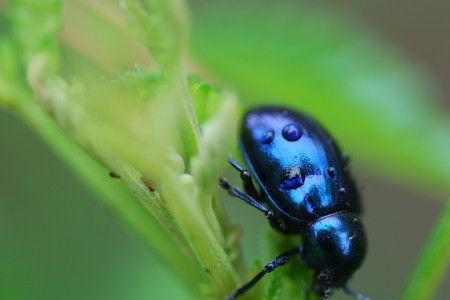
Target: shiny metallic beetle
{"points": [[305, 188]]}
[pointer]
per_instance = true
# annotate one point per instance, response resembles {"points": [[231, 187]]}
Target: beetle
{"points": [[305, 188]]}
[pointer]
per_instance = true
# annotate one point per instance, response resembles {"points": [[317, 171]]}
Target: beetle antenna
{"points": [[355, 294]]}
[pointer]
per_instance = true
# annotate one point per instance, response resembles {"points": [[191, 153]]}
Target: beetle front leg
{"points": [[256, 204], [246, 178], [249, 200]]}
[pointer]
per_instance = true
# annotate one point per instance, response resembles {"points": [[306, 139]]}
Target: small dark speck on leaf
{"points": [[114, 175], [148, 183]]}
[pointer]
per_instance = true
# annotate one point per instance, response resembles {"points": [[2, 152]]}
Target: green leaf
{"points": [[114, 195], [141, 126], [205, 97], [9, 72], [219, 135], [295, 276], [433, 263], [274, 288], [35, 26], [378, 104], [161, 26]]}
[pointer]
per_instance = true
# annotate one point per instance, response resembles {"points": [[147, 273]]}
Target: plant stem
{"points": [[433, 263], [198, 233], [114, 195]]}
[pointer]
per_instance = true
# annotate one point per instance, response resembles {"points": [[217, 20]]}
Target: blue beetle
{"points": [[305, 188]]}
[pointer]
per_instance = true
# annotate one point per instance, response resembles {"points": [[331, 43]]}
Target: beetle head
{"points": [[334, 247]]}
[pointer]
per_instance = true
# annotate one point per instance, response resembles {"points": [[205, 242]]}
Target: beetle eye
{"points": [[292, 132], [267, 137]]}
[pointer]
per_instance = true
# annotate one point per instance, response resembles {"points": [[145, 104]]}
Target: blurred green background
{"points": [[57, 242]]}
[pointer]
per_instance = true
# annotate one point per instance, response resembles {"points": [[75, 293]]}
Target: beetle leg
{"points": [[246, 178], [249, 200], [326, 294], [275, 223], [279, 261], [246, 198], [351, 292]]}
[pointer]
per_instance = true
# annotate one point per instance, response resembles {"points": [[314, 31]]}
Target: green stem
{"points": [[231, 235], [433, 263], [150, 200], [198, 232], [114, 195]]}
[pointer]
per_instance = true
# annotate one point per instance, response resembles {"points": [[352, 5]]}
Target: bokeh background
{"points": [[58, 242]]}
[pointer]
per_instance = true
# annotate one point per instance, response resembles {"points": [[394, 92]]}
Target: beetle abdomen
{"points": [[297, 164]]}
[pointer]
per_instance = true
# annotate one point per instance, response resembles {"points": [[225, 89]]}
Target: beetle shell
{"points": [[297, 164]]}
